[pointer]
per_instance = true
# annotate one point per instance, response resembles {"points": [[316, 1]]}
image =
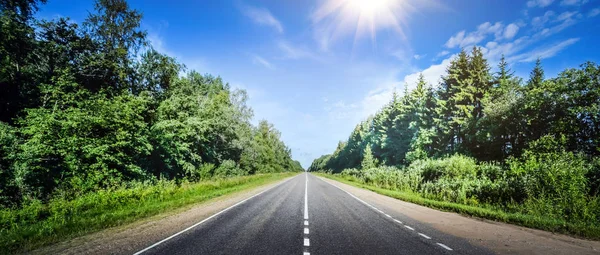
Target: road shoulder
{"points": [[499, 237], [130, 238]]}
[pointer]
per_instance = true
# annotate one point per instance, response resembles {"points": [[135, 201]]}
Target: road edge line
{"points": [[212, 216]]}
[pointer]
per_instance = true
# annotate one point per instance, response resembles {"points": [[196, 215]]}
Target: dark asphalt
{"points": [[273, 223]]}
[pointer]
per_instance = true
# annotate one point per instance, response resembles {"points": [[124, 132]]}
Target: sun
{"points": [[335, 19], [370, 7]]}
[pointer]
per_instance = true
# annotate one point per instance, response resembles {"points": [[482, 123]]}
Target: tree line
{"points": [[92, 106], [480, 137]]}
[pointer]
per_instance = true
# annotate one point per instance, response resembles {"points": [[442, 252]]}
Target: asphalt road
{"points": [[306, 215]]}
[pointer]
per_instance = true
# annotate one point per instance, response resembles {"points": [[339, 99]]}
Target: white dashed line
{"points": [[306, 231], [387, 215], [409, 227], [444, 246], [399, 222], [306, 253], [305, 223], [306, 198], [425, 236], [307, 242]]}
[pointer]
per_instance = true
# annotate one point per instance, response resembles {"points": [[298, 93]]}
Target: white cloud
{"points": [[262, 16], [256, 59], [573, 2], [511, 30], [443, 53], [594, 12], [564, 20], [567, 15], [539, 3], [543, 53], [293, 52], [462, 39], [540, 21], [417, 56], [431, 74]]}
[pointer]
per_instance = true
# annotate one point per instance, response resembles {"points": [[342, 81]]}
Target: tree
{"points": [[115, 31], [368, 160]]}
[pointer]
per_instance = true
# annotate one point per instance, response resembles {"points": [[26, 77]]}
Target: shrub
{"points": [[455, 166], [227, 169], [554, 180]]}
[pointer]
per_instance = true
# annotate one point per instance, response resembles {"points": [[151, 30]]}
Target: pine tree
{"points": [[536, 77], [368, 160], [452, 99]]}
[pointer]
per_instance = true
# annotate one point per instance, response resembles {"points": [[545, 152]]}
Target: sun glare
{"points": [[337, 18], [369, 7]]}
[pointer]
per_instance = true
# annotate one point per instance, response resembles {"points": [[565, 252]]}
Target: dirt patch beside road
{"points": [[498, 237]]}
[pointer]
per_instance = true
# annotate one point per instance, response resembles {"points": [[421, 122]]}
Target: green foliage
{"points": [[368, 160], [38, 223], [490, 141], [554, 181], [88, 107]]}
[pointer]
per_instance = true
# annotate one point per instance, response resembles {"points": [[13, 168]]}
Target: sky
{"points": [[316, 68]]}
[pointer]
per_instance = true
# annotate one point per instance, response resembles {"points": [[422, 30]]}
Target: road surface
{"points": [[306, 215]]}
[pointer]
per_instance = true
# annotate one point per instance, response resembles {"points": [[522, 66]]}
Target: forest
{"points": [[91, 106], [526, 150]]}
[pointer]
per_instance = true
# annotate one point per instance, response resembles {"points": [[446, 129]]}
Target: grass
{"points": [[531, 221], [37, 224]]}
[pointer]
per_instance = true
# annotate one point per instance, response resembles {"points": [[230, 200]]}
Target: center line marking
{"points": [[306, 242], [444, 246], [306, 231], [306, 253], [409, 227], [423, 235], [398, 221], [306, 198], [305, 223]]}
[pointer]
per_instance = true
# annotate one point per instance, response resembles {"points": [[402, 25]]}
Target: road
{"points": [[306, 215]]}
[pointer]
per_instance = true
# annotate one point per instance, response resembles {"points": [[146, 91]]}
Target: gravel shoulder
{"points": [[498, 237], [133, 237]]}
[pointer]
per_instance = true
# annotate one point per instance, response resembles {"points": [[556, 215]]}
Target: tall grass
{"points": [[37, 223], [549, 191]]}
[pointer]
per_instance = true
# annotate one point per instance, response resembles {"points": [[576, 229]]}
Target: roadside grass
{"points": [[543, 223], [38, 224]]}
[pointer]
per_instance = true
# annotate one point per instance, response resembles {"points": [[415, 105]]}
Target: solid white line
{"points": [[444, 246], [306, 197], [306, 242], [306, 231], [423, 235], [398, 221], [409, 227], [214, 215], [305, 223]]}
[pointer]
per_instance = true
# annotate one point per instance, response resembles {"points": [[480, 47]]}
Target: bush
{"points": [[9, 192], [455, 166], [228, 169], [554, 180]]}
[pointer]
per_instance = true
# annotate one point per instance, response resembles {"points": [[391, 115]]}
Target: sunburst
{"points": [[339, 18]]}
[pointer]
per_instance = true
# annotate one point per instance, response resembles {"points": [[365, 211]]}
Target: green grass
{"points": [[531, 221], [37, 224]]}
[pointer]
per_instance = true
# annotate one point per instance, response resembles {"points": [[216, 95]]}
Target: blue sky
{"points": [[315, 70]]}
